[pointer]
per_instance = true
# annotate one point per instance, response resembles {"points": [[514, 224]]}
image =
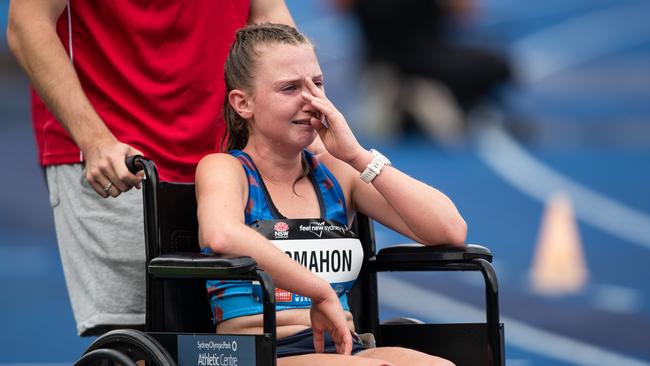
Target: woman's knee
{"points": [[443, 362]]}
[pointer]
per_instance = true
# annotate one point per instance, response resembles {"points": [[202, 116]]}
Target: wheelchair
{"points": [[179, 328]]}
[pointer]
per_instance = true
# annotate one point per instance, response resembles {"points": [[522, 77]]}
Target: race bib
{"points": [[326, 248]]}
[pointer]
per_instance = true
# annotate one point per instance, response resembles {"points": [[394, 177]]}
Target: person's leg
{"points": [[403, 357], [101, 242], [469, 73], [319, 359]]}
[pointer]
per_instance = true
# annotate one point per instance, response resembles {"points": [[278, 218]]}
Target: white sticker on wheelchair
{"points": [[217, 350]]}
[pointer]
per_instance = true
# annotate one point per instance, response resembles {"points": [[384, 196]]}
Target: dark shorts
{"points": [[302, 343]]}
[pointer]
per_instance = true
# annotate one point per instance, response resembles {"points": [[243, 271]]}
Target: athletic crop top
{"points": [[323, 245]]}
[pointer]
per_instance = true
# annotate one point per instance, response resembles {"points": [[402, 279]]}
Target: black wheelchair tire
{"points": [[134, 344], [105, 354]]}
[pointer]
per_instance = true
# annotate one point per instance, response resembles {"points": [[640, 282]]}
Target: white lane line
{"points": [[580, 39], [511, 161], [616, 299], [440, 308]]}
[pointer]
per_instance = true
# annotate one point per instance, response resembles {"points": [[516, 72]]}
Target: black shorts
{"points": [[302, 343]]}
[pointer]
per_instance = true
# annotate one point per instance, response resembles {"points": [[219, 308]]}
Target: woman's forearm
{"points": [[427, 212], [238, 239]]}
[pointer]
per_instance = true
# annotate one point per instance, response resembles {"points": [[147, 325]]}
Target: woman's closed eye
{"points": [[289, 88]]}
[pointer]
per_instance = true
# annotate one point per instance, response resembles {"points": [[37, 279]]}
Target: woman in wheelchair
{"points": [[285, 194]]}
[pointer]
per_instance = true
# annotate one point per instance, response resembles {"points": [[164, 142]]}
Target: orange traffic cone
{"points": [[558, 265]]}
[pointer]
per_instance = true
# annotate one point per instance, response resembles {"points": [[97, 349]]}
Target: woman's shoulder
{"points": [[343, 173], [218, 164], [218, 159]]}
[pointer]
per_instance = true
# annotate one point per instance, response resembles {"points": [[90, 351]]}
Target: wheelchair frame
{"points": [[177, 270]]}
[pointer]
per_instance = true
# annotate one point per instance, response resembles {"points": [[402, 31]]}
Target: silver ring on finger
{"points": [[108, 187]]}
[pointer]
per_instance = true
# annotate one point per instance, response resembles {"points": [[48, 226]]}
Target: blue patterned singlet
{"points": [[231, 299]]}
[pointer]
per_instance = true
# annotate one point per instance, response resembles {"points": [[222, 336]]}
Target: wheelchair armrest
{"points": [[213, 266], [423, 257], [207, 266], [435, 253], [199, 265], [418, 257]]}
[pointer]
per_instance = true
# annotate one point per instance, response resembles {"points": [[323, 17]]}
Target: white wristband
{"points": [[374, 168]]}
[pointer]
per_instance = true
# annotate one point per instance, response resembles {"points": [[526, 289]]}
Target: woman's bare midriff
{"points": [[288, 322]]}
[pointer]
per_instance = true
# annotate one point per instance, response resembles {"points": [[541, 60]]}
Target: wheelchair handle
{"points": [[134, 163]]}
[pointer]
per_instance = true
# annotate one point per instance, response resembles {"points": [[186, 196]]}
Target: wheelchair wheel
{"points": [[103, 356], [124, 347], [402, 320]]}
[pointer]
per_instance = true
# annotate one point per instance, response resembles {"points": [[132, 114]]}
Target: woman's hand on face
{"points": [[327, 315], [332, 127]]}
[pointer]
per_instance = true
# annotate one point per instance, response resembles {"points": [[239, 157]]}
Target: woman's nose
{"points": [[308, 107]]}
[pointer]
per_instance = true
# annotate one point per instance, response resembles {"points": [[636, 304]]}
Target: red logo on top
{"points": [[281, 226], [282, 295]]}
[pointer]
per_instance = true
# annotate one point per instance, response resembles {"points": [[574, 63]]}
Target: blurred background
{"points": [[534, 117]]}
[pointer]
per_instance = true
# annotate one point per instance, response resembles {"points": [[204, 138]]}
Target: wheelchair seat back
{"points": [[170, 227]]}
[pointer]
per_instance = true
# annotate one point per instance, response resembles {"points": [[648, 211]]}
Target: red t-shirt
{"points": [[153, 71]]}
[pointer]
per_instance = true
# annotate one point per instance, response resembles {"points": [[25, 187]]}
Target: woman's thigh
{"points": [[320, 359], [380, 356], [399, 356]]}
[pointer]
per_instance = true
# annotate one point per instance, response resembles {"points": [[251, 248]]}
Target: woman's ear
{"points": [[241, 103]]}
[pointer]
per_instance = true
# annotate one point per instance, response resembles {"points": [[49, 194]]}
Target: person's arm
{"points": [[393, 198], [269, 11], [220, 192], [32, 37]]}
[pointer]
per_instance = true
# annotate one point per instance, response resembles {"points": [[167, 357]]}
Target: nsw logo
{"points": [[281, 230]]}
